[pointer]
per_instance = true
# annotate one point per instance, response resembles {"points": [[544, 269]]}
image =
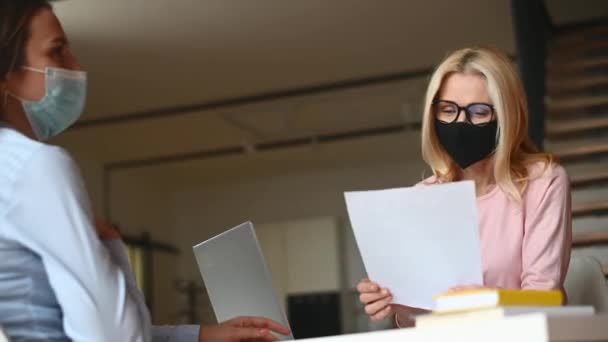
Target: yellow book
{"points": [[485, 298]]}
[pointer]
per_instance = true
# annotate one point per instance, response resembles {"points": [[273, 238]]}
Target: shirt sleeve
{"points": [[166, 333], [51, 212], [175, 333], [547, 232]]}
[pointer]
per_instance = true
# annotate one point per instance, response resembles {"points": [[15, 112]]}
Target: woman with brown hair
{"points": [[58, 280], [475, 127]]}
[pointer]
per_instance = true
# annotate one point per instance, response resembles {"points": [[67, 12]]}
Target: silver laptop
{"points": [[237, 277]]}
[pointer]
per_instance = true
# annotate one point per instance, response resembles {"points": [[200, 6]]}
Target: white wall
{"points": [[303, 256]]}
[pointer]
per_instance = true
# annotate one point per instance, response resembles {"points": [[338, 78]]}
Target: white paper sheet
{"points": [[418, 241]]}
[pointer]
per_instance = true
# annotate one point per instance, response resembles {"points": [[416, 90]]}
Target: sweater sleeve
{"points": [[547, 232]]}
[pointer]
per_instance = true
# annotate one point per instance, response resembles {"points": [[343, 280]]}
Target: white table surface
{"points": [[533, 327]]}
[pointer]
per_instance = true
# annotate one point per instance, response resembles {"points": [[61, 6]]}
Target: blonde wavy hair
{"points": [[514, 153]]}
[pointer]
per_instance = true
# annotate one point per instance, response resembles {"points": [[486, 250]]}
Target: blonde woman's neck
{"points": [[482, 173]]}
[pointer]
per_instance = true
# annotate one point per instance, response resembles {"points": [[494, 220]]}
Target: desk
{"points": [[533, 328]]}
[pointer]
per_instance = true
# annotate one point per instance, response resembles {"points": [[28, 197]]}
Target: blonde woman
{"points": [[475, 127]]}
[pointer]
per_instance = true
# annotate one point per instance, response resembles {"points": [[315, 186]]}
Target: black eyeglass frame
{"points": [[466, 110]]}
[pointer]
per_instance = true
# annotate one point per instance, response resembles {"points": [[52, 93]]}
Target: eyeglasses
{"points": [[476, 113]]}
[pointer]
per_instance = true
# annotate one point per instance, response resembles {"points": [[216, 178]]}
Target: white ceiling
{"points": [[148, 54]]}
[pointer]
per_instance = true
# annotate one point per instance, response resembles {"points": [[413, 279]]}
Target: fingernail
{"points": [[384, 291], [263, 332], [374, 288]]}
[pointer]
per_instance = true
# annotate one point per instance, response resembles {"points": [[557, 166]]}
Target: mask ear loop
{"points": [[5, 98], [8, 93], [33, 69]]}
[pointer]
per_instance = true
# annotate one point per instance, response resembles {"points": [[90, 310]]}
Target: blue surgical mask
{"points": [[61, 106]]}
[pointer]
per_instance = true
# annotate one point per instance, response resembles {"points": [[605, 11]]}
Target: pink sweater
{"points": [[527, 245]]}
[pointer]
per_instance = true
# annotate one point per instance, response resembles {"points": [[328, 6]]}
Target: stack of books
{"points": [[475, 305]]}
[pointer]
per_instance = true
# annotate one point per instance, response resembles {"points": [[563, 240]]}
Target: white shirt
{"points": [[58, 282]]}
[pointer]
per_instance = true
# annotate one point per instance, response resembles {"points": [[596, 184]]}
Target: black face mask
{"points": [[466, 143]]}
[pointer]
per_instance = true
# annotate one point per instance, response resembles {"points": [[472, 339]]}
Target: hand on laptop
{"points": [[379, 305], [243, 329]]}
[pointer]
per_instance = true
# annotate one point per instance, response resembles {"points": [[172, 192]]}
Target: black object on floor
{"points": [[315, 315]]}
